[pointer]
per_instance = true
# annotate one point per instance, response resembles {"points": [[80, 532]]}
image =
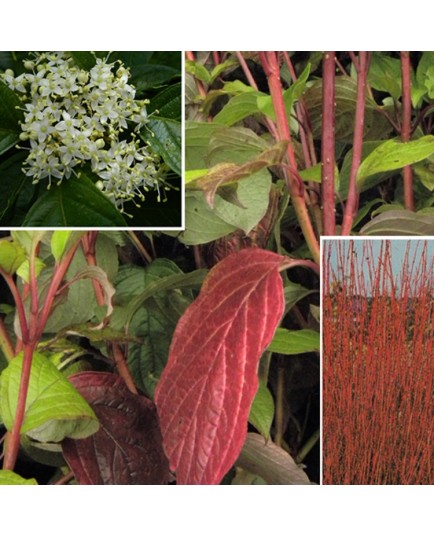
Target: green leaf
{"points": [[77, 304], [169, 282], [385, 74], [16, 190], [76, 202], [253, 195], [425, 173], [24, 270], [62, 241], [153, 321], [221, 67], [314, 174], [96, 273], [84, 60], [28, 239], [236, 145], [376, 125], [165, 140], [225, 173], [54, 409], [10, 114], [168, 102], [197, 140], [197, 70], [400, 222], [12, 255], [394, 154], [238, 108], [9, 478], [262, 411], [147, 76], [288, 342], [293, 293], [364, 184], [202, 225]]}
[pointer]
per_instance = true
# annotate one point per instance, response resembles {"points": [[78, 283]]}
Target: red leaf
{"points": [[205, 392], [127, 449]]}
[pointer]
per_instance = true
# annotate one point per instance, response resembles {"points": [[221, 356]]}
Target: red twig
{"points": [[328, 145], [270, 125], [13, 438], [18, 304], [362, 66], [406, 126], [89, 244], [295, 186]]}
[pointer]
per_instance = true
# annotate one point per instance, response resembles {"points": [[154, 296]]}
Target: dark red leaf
{"points": [[127, 449], [205, 392]]}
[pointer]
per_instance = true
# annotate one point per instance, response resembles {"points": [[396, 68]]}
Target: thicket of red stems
{"points": [[378, 365]]}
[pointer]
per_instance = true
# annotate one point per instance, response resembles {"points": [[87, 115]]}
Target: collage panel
{"points": [[378, 367], [91, 139]]}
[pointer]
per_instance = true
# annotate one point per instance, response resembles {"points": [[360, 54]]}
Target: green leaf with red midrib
{"points": [[206, 390]]}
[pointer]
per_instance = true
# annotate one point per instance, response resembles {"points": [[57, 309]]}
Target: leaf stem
{"points": [[307, 447], [139, 246], [278, 416], [328, 145], [406, 126]]}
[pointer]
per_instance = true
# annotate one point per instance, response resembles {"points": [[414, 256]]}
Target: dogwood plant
{"points": [[73, 117]]}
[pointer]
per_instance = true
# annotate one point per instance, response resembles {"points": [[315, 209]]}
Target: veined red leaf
{"points": [[127, 449], [206, 390]]}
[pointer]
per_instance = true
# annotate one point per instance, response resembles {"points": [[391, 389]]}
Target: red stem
{"points": [[308, 148], [328, 145], [406, 126], [271, 126], [34, 306], [13, 438], [89, 242], [294, 183], [19, 305], [58, 275], [362, 66]]}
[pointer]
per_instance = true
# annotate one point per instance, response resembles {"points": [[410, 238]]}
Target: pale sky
{"points": [[398, 249]]}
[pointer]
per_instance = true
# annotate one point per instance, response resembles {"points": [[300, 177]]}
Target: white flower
{"points": [[72, 117]]}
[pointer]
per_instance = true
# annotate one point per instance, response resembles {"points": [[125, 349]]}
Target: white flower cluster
{"points": [[72, 116]]}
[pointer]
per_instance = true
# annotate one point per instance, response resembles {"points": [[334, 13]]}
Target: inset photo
{"points": [[378, 366], [90, 139]]}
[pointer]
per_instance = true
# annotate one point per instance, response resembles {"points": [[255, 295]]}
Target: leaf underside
{"points": [[206, 390], [127, 449]]}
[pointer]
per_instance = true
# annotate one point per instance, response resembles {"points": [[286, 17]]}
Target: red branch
{"points": [[295, 185], [362, 66], [328, 145], [406, 126]]}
